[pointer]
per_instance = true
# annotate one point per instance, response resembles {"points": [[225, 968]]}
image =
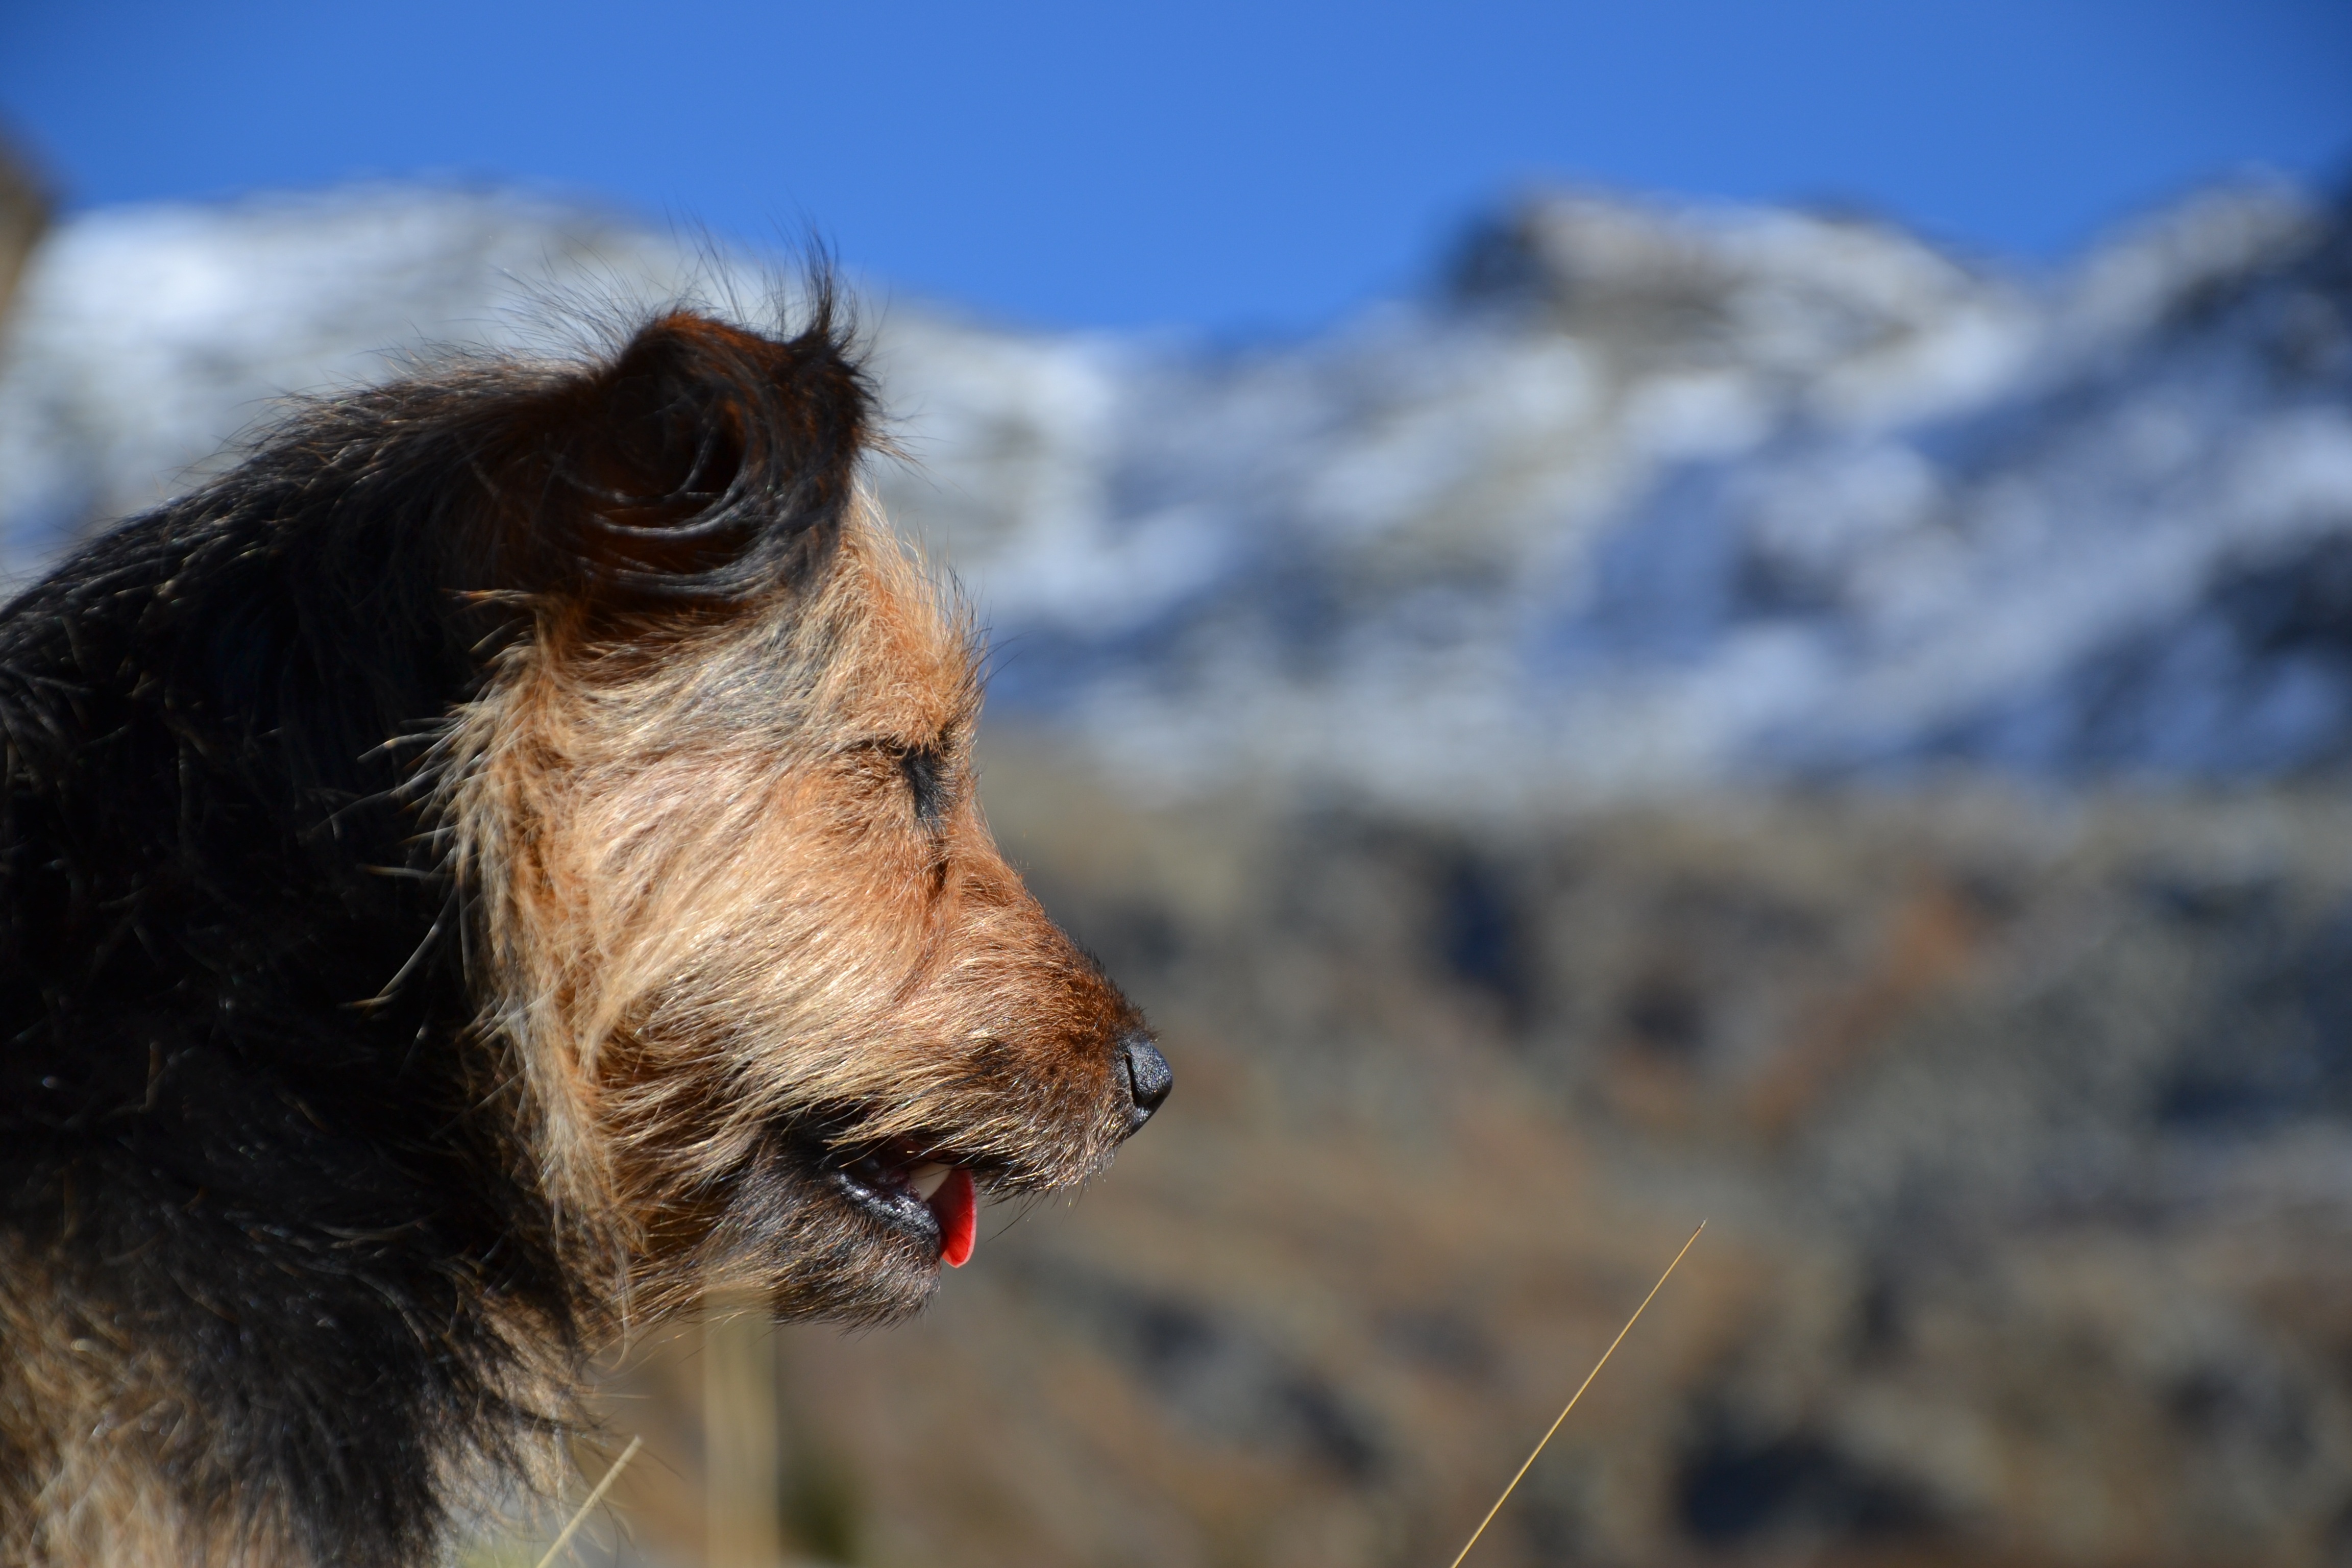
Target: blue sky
{"points": [[1236, 167]]}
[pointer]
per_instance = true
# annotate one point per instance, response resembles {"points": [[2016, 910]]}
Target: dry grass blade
{"points": [[1573, 1399], [593, 1499]]}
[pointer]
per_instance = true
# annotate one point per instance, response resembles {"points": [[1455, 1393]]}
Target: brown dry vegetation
{"points": [[2021, 1126]]}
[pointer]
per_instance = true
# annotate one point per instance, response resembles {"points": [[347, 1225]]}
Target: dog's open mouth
{"points": [[902, 1185]]}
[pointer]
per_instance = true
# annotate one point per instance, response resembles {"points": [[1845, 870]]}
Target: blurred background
{"points": [[1609, 614]]}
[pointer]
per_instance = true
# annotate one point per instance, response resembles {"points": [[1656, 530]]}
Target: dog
{"points": [[500, 863]]}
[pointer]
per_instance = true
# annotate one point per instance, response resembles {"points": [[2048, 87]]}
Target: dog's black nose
{"points": [[1147, 1078]]}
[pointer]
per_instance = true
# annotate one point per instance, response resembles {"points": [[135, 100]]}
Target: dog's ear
{"points": [[702, 465]]}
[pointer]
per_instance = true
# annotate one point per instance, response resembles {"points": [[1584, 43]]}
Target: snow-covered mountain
{"points": [[1644, 498]]}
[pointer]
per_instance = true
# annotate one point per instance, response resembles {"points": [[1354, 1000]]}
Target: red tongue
{"points": [[958, 1212]]}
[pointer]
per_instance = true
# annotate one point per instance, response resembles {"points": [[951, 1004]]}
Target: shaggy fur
{"points": [[499, 862]]}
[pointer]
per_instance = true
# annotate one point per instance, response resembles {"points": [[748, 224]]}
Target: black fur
{"points": [[244, 1113]]}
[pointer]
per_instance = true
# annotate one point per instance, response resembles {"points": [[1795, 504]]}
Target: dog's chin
{"points": [[861, 1241], [878, 1262]]}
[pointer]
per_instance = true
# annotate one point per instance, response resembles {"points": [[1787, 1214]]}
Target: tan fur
{"points": [[88, 1418], [93, 1421]]}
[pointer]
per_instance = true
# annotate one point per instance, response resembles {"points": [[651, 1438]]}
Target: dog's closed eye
{"points": [[929, 781]]}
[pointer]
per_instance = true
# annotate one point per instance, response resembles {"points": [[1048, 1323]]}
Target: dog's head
{"points": [[780, 1002]]}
